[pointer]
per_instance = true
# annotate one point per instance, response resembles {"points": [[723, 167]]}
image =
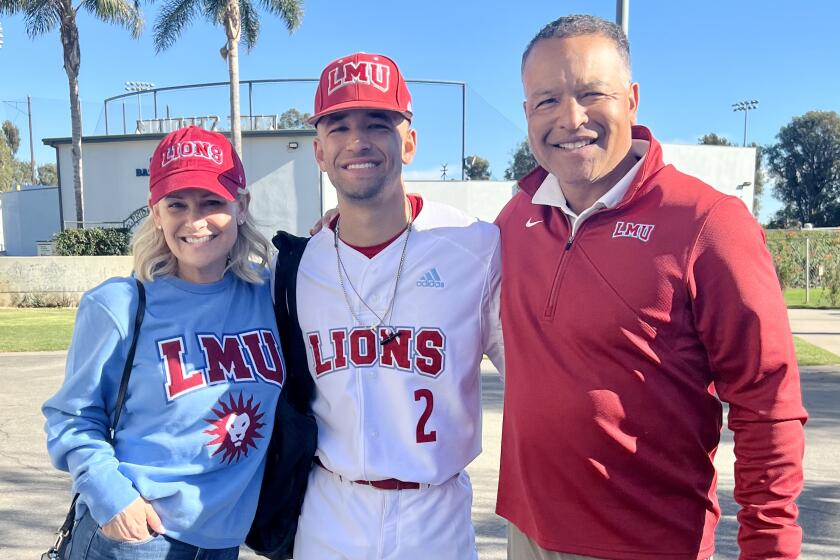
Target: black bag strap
{"points": [[129, 359], [66, 528]]}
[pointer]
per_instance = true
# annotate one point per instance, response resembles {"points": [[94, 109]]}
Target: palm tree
{"points": [[42, 16], [238, 17]]}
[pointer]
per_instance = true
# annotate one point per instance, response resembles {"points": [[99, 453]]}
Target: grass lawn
{"points": [[795, 297], [31, 330]]}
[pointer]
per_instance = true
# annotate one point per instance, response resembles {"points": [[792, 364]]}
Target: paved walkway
{"points": [[820, 327], [34, 496]]}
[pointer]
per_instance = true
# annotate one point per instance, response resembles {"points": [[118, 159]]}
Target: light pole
{"points": [[1, 35], [139, 88], [746, 107]]}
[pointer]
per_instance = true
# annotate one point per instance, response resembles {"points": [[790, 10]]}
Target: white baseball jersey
{"points": [[410, 409]]}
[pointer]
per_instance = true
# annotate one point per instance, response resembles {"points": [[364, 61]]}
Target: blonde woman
{"points": [[181, 479]]}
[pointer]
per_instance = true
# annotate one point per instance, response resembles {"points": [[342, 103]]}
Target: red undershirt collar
{"points": [[416, 205]]}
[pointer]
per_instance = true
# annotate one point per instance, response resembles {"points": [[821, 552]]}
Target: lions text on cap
{"points": [[189, 148]]}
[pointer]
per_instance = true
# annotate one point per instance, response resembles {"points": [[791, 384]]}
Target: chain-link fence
{"points": [[808, 264]]}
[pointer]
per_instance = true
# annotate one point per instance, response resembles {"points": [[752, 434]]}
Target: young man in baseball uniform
{"points": [[397, 302]]}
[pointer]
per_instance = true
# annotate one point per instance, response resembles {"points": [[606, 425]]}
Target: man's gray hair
{"points": [[581, 24]]}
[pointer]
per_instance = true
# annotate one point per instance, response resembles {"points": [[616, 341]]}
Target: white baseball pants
{"points": [[342, 520]]}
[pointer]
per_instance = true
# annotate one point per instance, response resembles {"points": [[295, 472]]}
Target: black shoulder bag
{"points": [[58, 551], [294, 439]]}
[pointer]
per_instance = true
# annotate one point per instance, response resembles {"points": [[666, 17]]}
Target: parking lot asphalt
{"points": [[34, 496]]}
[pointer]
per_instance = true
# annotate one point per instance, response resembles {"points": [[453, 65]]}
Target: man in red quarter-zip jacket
{"points": [[649, 298]]}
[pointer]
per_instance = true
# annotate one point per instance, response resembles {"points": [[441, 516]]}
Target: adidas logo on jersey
{"points": [[430, 280]]}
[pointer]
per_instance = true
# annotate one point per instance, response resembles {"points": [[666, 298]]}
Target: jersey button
{"points": [[374, 434]]}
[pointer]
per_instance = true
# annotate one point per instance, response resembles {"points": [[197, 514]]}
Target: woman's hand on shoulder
{"points": [[135, 523]]}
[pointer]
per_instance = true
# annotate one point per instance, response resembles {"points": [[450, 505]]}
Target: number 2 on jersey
{"points": [[422, 435]]}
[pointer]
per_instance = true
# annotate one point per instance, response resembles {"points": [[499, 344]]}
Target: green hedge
{"points": [[92, 242]]}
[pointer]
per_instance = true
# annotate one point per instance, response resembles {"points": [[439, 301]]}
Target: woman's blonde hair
{"points": [[152, 257]]}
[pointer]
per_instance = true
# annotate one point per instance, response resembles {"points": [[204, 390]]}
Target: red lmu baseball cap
{"points": [[361, 81], [194, 158]]}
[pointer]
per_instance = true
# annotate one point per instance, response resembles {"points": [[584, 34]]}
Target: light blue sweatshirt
{"points": [[198, 413]]}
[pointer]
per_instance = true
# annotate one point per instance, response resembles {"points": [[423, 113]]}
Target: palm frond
{"points": [[173, 17], [215, 10], [12, 7], [250, 23], [42, 16], [122, 12], [290, 11]]}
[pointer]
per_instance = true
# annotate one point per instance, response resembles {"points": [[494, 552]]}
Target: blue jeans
{"points": [[88, 543]]}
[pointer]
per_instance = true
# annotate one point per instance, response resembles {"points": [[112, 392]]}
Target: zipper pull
{"points": [[569, 242]]}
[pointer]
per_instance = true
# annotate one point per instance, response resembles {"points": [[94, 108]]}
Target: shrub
{"points": [[40, 300], [92, 242]]}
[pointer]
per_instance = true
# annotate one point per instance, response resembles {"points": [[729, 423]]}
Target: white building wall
{"points": [[726, 168], [28, 216], [284, 182], [289, 192]]}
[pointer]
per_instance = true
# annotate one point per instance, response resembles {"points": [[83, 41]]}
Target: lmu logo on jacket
{"points": [[375, 74], [629, 229], [422, 350], [234, 358]]}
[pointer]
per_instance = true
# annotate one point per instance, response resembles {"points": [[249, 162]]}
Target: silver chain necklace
{"points": [[391, 333]]}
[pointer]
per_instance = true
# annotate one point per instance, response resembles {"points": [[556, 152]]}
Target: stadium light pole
{"points": [[139, 88], [622, 15], [1, 35], [745, 106]]}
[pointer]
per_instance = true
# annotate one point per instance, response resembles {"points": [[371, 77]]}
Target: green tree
{"points": [[47, 174], [12, 134], [43, 16], [292, 118], [805, 163], [6, 166], [521, 163], [476, 168], [237, 17], [21, 173], [713, 139]]}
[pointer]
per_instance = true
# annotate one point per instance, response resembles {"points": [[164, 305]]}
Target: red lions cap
{"points": [[194, 158], [361, 81]]}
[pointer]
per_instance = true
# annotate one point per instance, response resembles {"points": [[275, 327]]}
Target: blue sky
{"points": [[692, 60]]}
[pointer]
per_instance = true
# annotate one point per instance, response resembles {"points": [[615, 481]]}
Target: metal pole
{"points": [[622, 15], [124, 132], [745, 127], [463, 128], [807, 270], [154, 95], [106, 118], [251, 105], [31, 148]]}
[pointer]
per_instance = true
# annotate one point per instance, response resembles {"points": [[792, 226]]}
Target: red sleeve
{"points": [[742, 321]]}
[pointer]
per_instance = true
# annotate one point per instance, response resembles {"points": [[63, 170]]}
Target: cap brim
{"points": [[191, 179], [356, 104]]}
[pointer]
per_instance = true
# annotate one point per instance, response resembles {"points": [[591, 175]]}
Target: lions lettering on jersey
{"points": [[420, 350], [233, 358]]}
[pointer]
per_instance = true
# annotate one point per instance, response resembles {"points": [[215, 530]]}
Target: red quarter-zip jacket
{"points": [[619, 344]]}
